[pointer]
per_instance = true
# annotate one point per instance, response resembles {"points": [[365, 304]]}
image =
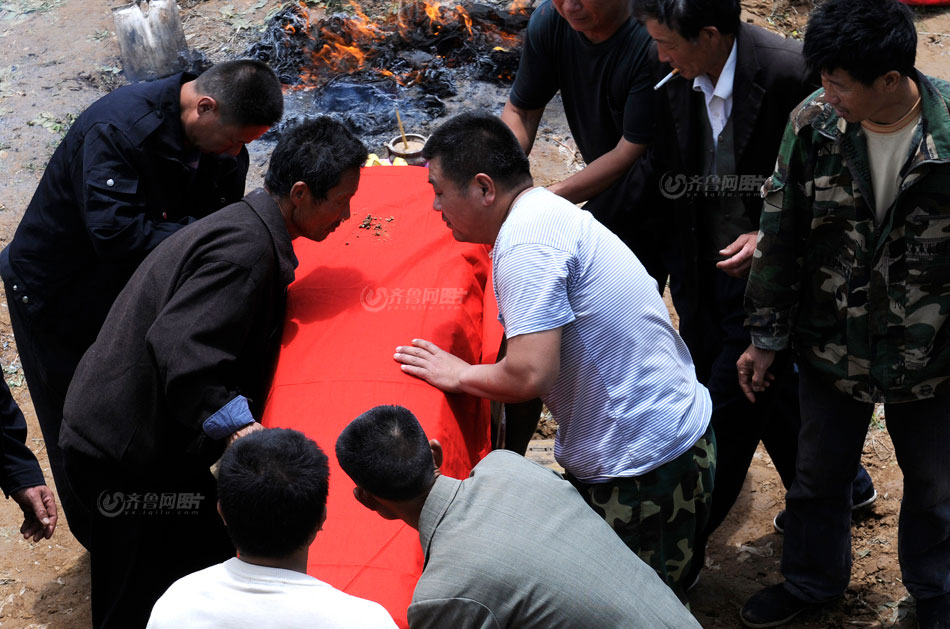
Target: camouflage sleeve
{"points": [[771, 296]]}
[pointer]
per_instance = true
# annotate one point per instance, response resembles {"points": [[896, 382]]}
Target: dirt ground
{"points": [[57, 56]]}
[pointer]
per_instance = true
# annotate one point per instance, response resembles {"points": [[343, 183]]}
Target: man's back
{"points": [[198, 322], [514, 545], [239, 594]]}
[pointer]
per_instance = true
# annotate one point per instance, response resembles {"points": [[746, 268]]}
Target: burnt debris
{"points": [[359, 70], [413, 46]]}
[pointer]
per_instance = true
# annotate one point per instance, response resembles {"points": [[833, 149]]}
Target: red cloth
{"points": [[932, 3], [358, 295]]}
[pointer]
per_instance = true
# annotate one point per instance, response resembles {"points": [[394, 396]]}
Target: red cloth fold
{"points": [[388, 275]]}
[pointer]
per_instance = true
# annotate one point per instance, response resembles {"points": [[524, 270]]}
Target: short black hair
{"points": [[272, 486], [472, 143], [385, 451], [316, 151], [688, 17], [247, 91], [865, 38]]}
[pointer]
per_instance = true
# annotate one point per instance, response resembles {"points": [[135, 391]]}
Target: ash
{"points": [[426, 59]]}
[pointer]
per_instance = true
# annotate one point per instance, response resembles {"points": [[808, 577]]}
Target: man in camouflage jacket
{"points": [[859, 286], [864, 304]]}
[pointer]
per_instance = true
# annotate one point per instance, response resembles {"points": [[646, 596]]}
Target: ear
{"points": [[361, 496], [890, 80], [436, 448], [320, 523], [484, 186], [221, 513], [373, 503], [299, 192], [708, 33], [318, 528], [323, 519], [206, 104], [365, 498]]}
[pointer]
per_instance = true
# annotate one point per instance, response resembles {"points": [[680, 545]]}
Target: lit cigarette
{"points": [[666, 79]]}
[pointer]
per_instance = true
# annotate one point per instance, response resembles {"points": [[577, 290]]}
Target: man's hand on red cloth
{"points": [[429, 362], [527, 371]]}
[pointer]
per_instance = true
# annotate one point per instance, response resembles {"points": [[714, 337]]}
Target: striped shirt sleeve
{"points": [[531, 281]]}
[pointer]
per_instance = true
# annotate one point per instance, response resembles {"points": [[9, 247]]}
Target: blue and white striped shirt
{"points": [[626, 398]]}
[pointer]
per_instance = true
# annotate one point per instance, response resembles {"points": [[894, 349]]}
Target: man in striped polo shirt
{"points": [[588, 333]]}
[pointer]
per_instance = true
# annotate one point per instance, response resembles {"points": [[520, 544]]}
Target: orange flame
{"points": [[466, 19], [519, 6], [349, 44], [358, 10], [432, 11]]}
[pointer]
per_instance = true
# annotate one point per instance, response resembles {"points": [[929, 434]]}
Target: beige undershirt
{"points": [[888, 149]]}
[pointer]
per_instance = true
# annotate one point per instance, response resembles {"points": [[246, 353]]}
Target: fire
{"points": [[340, 44], [432, 11], [507, 41], [339, 54], [466, 19], [519, 6], [358, 10]]}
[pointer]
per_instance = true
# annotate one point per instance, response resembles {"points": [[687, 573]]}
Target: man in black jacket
{"points": [[181, 369], [719, 125], [136, 166]]}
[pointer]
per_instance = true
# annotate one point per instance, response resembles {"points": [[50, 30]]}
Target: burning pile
{"points": [[413, 46]]}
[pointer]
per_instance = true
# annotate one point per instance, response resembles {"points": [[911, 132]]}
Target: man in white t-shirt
{"points": [[588, 333], [272, 496]]}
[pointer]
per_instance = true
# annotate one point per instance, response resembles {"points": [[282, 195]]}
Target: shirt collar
{"points": [[723, 87], [437, 503], [267, 209]]}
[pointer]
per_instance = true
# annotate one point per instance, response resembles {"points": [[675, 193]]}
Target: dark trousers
{"points": [[716, 337], [816, 558], [652, 253], [149, 528], [49, 357]]}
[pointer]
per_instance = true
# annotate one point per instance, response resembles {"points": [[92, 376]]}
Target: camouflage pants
{"points": [[658, 514]]}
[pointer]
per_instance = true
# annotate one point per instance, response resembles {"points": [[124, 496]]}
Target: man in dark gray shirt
{"points": [[513, 545]]}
